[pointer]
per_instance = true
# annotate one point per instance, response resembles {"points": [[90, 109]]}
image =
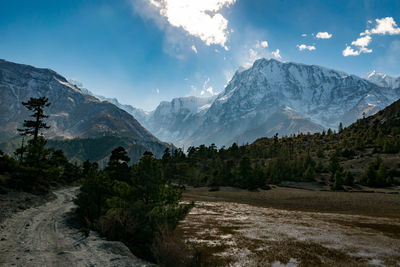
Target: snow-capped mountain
{"points": [[177, 120], [322, 97], [173, 120], [383, 79], [73, 113], [270, 97]]}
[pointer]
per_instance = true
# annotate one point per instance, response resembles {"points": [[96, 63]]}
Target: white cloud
{"points": [[349, 51], [157, 91], [194, 49], [277, 54], [323, 35], [306, 47], [383, 26], [198, 18], [362, 41], [264, 44], [304, 35], [365, 50], [206, 88]]}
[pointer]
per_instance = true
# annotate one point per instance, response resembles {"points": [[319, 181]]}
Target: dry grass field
{"points": [[294, 227]]}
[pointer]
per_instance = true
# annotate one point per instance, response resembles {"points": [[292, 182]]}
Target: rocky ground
{"points": [[12, 201]]}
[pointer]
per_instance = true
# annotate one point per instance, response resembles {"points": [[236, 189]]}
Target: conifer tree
{"points": [[349, 179], [340, 129], [381, 175], [32, 127], [338, 182], [117, 167]]}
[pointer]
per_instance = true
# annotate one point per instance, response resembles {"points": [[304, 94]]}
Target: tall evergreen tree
{"points": [[340, 129], [117, 167], [32, 127]]}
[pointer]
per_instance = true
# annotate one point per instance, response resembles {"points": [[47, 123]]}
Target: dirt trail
{"points": [[41, 237]]}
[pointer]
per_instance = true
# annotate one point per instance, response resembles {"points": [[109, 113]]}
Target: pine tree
{"points": [[117, 167], [349, 179], [334, 165], [32, 127], [309, 174], [340, 129], [338, 181], [381, 175], [247, 178], [369, 177]]}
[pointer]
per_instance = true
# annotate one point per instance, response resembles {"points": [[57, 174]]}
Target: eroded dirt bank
{"points": [[41, 236]]}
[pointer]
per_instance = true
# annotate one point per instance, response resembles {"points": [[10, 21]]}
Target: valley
{"points": [[200, 133]]}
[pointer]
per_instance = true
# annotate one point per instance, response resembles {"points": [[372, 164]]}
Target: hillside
{"points": [[365, 153], [73, 114]]}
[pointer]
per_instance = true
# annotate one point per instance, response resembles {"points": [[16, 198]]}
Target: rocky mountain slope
{"points": [[179, 119], [268, 98], [173, 121], [73, 114], [139, 114], [383, 79], [319, 95]]}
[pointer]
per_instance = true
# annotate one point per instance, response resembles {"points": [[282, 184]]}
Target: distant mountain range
{"points": [[73, 113], [268, 98]]}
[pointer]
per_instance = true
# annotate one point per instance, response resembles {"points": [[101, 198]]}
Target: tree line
{"points": [[134, 204]]}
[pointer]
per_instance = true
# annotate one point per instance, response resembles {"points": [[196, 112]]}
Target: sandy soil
{"points": [[41, 236], [12, 201]]}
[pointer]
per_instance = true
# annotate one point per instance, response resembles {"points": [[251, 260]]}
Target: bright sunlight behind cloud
{"points": [[199, 18]]}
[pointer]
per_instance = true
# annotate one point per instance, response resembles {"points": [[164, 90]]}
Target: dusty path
{"points": [[41, 237]]}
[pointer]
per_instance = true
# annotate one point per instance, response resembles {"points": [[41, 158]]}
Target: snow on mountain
{"points": [[268, 98], [383, 79], [321, 97], [178, 119], [173, 121]]}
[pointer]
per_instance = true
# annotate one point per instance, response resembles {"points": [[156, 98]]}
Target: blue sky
{"points": [[146, 51]]}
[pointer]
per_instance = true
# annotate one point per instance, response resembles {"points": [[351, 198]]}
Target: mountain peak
{"points": [[382, 79]]}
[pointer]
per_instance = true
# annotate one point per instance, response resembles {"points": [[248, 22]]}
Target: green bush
{"points": [[131, 209]]}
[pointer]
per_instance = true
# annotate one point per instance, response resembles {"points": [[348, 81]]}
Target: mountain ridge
{"points": [[322, 97], [72, 113], [269, 97]]}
